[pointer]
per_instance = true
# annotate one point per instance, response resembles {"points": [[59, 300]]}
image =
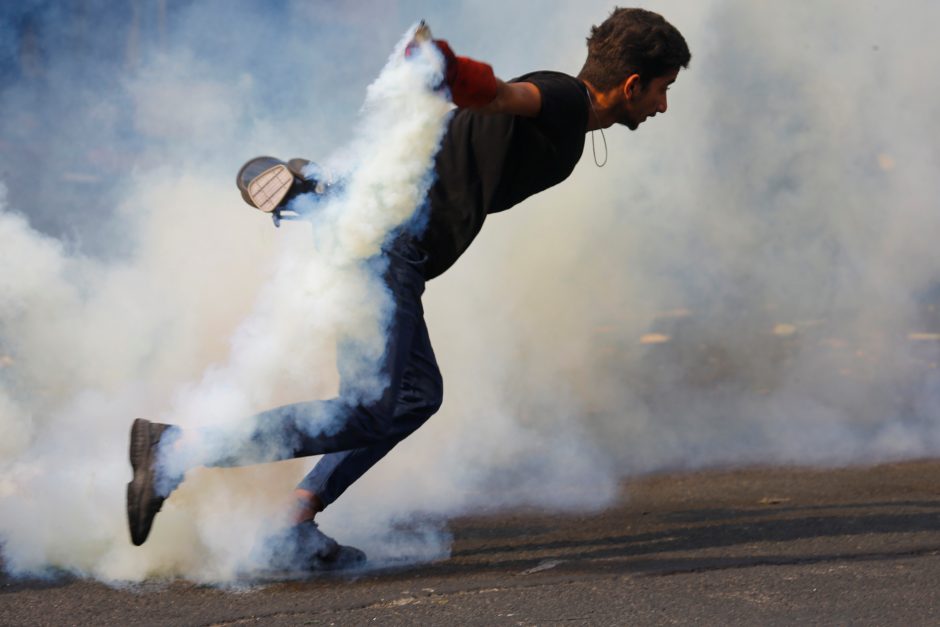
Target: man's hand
{"points": [[472, 84]]}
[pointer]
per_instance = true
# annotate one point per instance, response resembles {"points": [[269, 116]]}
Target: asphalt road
{"points": [[749, 547]]}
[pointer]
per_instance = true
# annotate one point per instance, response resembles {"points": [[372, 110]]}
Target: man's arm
{"points": [[523, 99], [474, 86]]}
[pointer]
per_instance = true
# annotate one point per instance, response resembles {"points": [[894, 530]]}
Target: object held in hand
{"points": [[472, 83], [269, 184]]}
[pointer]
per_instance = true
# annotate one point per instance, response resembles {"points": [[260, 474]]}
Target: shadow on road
{"points": [[716, 538], [627, 540]]}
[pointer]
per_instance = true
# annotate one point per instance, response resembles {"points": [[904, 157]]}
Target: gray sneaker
{"points": [[304, 548], [144, 499]]}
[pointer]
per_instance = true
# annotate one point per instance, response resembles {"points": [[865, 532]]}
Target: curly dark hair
{"points": [[633, 41]]}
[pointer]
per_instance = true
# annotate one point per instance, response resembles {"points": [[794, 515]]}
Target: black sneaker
{"points": [[304, 548], [144, 499]]}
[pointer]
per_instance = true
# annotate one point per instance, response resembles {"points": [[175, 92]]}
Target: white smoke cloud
{"points": [[315, 295], [773, 229]]}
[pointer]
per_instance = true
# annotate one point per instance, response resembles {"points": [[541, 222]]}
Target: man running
{"points": [[506, 142]]}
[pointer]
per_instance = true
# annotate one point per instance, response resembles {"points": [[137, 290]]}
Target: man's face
{"points": [[645, 100]]}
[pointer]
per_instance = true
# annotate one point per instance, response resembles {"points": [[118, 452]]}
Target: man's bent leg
{"points": [[345, 423], [419, 397], [301, 429]]}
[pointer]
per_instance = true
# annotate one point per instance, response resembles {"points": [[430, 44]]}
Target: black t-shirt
{"points": [[488, 163]]}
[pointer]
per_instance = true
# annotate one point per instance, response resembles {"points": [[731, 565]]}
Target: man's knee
{"points": [[421, 397], [434, 395], [418, 399]]}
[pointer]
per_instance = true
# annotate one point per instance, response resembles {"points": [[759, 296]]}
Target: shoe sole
{"points": [[349, 560], [269, 188], [141, 458], [346, 558]]}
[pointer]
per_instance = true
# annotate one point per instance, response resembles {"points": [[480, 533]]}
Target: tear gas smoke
{"points": [[751, 278], [334, 290]]}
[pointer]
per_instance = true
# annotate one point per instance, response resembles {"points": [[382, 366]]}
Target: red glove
{"points": [[472, 83]]}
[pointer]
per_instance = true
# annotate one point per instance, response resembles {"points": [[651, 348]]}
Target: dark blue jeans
{"points": [[352, 434]]}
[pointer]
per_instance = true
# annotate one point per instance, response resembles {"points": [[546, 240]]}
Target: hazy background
{"points": [[750, 279]]}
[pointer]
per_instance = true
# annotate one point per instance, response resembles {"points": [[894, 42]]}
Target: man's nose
{"points": [[663, 105]]}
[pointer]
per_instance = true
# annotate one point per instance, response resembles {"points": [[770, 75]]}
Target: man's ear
{"points": [[631, 85]]}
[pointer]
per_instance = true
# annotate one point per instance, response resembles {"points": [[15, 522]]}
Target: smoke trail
{"points": [[327, 292]]}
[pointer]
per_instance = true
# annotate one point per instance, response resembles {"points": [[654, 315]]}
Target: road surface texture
{"points": [[757, 546]]}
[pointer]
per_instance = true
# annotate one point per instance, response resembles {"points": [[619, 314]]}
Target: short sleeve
{"points": [[564, 101]]}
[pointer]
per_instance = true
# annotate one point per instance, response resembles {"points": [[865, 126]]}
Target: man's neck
{"points": [[601, 108]]}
